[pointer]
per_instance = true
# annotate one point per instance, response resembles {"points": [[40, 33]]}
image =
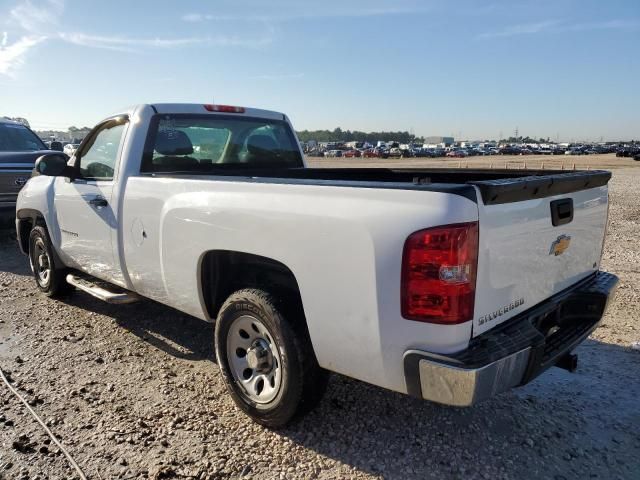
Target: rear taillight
{"points": [[224, 108], [439, 274]]}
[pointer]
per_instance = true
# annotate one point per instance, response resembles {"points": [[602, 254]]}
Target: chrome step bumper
{"points": [[514, 353]]}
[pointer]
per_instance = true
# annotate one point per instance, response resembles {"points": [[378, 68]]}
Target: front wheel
{"points": [[266, 360], [50, 278]]}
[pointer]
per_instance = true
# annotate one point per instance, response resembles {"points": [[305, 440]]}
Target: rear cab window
{"points": [[185, 143]]}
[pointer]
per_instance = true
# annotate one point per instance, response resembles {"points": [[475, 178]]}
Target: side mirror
{"points": [[54, 165]]}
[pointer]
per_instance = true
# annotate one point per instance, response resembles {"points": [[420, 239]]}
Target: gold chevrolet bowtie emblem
{"points": [[560, 245]]}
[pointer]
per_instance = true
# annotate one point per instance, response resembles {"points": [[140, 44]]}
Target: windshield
{"points": [[206, 143], [18, 138]]}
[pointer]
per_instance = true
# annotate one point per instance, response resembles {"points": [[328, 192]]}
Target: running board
{"points": [[101, 293]]}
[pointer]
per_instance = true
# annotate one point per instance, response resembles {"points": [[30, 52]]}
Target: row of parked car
{"points": [[462, 152], [629, 151], [67, 147]]}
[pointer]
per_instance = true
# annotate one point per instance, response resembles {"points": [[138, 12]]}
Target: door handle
{"points": [[98, 202]]}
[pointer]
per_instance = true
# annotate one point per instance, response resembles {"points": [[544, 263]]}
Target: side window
{"points": [[99, 160]]}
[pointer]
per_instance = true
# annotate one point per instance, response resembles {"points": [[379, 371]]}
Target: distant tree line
{"points": [[522, 139], [71, 133], [84, 130], [339, 135]]}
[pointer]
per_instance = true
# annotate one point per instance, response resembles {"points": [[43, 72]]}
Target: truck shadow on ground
{"points": [[177, 334]]}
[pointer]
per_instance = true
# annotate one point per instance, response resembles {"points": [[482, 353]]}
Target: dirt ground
{"points": [[134, 392]]}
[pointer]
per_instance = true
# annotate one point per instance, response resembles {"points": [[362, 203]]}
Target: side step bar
{"points": [[100, 292]]}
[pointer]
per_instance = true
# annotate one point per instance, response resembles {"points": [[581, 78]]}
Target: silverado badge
{"points": [[559, 245]]}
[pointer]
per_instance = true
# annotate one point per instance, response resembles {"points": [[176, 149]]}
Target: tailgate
{"points": [[538, 236]]}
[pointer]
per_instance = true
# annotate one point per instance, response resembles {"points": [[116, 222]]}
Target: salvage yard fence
{"points": [[534, 166]]}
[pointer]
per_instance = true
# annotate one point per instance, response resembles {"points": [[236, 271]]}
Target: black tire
{"points": [[41, 259], [302, 382]]}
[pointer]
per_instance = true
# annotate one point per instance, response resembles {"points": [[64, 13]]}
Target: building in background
{"points": [[438, 142]]}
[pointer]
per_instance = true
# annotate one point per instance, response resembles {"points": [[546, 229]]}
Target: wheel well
{"points": [[223, 272], [27, 219]]}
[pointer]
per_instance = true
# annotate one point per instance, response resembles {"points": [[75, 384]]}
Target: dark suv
{"points": [[19, 148]]}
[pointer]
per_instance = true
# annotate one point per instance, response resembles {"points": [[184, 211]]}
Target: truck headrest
{"points": [[173, 142], [260, 144]]}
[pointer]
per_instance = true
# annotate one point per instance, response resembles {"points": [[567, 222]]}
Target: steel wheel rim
{"points": [[41, 263], [254, 359]]}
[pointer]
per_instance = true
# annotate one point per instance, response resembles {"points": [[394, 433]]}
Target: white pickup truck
{"points": [[448, 285]]}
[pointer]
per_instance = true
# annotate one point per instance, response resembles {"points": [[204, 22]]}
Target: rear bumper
{"points": [[513, 353]]}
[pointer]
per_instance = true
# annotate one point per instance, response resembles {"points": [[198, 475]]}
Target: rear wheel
{"points": [[266, 360], [50, 278]]}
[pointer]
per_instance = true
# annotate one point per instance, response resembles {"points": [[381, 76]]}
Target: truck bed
{"points": [[526, 218]]}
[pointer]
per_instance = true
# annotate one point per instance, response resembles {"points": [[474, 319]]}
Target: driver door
{"points": [[85, 217]]}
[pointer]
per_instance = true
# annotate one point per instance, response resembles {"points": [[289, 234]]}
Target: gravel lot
{"points": [[133, 392]]}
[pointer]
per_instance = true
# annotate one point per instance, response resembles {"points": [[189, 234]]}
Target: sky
{"points": [[564, 69]]}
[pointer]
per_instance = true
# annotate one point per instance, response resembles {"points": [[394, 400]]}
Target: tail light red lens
{"points": [[223, 108], [439, 274]]}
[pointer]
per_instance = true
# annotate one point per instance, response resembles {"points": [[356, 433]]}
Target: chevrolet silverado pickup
{"points": [[448, 285]]}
